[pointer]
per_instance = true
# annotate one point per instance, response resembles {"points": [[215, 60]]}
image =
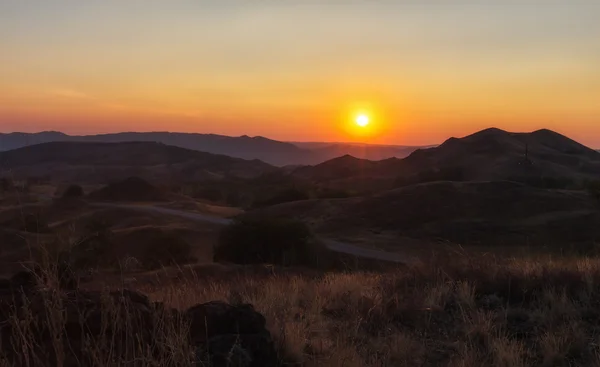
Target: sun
{"points": [[362, 120]]}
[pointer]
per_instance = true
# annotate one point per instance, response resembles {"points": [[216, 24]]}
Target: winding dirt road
{"points": [[332, 245]]}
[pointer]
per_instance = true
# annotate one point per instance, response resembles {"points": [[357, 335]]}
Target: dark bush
{"points": [[268, 240], [73, 191]]}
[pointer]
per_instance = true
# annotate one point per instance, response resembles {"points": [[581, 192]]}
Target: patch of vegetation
{"points": [[98, 248], [466, 310], [268, 240]]}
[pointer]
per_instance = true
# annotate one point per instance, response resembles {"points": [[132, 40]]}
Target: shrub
{"points": [[94, 248], [73, 191], [268, 240]]}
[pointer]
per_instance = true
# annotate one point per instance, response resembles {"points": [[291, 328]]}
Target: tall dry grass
{"points": [[472, 311], [475, 311]]}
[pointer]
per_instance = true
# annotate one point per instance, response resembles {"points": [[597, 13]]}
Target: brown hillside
{"points": [[494, 154], [542, 158], [488, 213]]}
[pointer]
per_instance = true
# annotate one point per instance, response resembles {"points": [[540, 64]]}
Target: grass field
{"points": [[470, 311]]}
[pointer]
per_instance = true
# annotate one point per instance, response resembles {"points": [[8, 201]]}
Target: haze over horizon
{"points": [[298, 72]]}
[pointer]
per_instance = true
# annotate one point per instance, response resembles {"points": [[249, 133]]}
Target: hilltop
{"points": [[541, 158], [105, 162]]}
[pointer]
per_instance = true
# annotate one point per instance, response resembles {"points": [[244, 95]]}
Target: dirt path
{"points": [[333, 245]]}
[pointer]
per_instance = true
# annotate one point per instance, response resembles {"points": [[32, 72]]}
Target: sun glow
{"points": [[362, 120]]}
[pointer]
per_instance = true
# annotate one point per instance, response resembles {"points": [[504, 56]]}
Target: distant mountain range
{"points": [[541, 158], [270, 151]]}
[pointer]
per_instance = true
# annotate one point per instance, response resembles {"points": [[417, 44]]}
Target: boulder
{"points": [[232, 336], [234, 350]]}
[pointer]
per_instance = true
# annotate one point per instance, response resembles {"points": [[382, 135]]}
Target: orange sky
{"points": [[424, 72]]}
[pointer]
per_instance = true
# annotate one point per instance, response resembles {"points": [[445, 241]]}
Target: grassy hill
{"points": [[106, 162]]}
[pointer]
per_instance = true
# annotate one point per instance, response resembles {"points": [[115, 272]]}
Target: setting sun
{"points": [[362, 120]]}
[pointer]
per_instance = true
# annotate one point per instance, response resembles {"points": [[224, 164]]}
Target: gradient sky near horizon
{"points": [[297, 70]]}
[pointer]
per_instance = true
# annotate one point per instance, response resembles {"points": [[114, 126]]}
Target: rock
{"points": [[233, 336], [246, 350]]}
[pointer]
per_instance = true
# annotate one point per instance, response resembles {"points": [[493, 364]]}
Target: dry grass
{"points": [[472, 312]]}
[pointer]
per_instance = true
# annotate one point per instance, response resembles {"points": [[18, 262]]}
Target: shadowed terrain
{"points": [[542, 158]]}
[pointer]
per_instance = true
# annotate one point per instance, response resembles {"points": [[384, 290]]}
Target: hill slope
{"points": [[489, 213], [541, 158], [105, 162], [495, 154]]}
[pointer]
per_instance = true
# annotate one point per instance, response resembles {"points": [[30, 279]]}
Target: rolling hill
{"points": [[542, 158], [267, 150], [106, 162], [470, 213]]}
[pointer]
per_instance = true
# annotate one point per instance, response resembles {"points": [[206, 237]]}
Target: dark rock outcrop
{"points": [[228, 335]]}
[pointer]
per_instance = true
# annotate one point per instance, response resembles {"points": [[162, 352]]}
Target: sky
{"points": [[300, 70]]}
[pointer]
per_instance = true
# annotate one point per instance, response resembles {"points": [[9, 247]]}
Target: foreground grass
{"points": [[466, 312], [472, 312]]}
